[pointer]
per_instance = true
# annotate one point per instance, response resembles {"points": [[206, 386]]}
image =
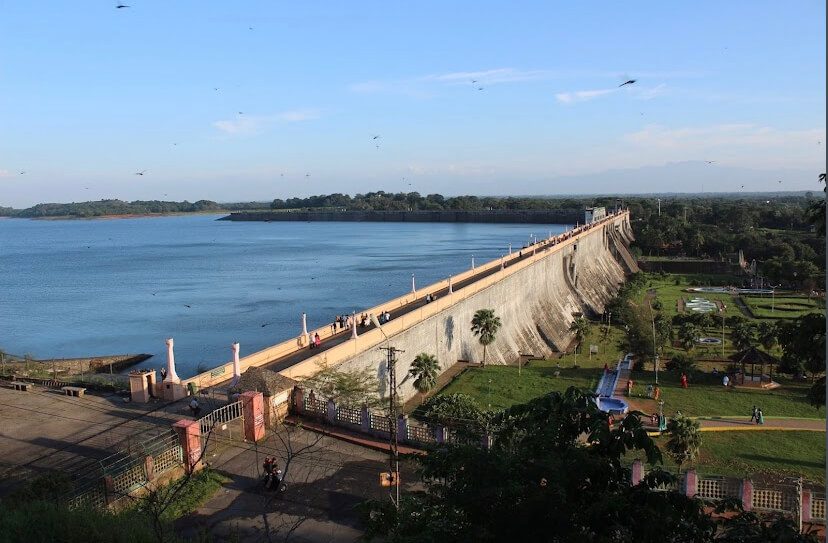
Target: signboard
{"points": [[388, 478], [593, 349]]}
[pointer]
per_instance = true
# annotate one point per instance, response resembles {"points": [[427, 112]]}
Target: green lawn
{"points": [[784, 307], [607, 343], [707, 397], [767, 454], [498, 387], [669, 293]]}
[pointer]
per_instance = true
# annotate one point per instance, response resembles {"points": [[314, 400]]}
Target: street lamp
{"points": [[773, 294]]}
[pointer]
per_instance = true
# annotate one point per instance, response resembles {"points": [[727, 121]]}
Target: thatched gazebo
{"points": [[754, 357], [275, 387]]}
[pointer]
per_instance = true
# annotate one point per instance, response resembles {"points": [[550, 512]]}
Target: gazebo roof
{"points": [[268, 382], [752, 355]]}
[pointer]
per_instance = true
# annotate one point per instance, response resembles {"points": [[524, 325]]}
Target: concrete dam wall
{"points": [[557, 216], [536, 305]]}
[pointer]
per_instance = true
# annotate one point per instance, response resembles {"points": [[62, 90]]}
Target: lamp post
{"points": [[655, 355], [773, 294]]}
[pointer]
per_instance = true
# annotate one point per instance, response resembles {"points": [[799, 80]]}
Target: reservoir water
{"points": [[73, 288]]}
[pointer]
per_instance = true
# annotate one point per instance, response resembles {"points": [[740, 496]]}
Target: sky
{"points": [[255, 100]]}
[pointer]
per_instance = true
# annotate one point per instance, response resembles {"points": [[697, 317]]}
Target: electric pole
{"points": [[393, 439]]}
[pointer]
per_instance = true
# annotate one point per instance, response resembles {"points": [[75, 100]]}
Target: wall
{"points": [[536, 304]]}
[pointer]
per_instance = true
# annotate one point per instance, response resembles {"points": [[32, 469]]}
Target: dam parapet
{"points": [[530, 216]]}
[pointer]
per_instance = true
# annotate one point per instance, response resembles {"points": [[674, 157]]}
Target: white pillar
{"points": [[449, 290], [353, 325], [172, 377], [236, 365], [413, 285], [472, 261], [305, 333], [510, 249], [502, 263]]}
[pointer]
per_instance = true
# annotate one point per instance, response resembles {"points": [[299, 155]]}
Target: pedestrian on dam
{"points": [[194, 407], [333, 326], [317, 341], [760, 417], [163, 373], [755, 414]]}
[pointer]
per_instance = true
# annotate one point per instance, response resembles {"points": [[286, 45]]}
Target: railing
{"points": [[380, 422], [349, 415], [316, 406], [222, 415], [818, 509], [773, 500], [420, 434], [717, 488], [126, 471]]}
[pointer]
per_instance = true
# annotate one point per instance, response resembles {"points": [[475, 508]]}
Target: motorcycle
{"points": [[274, 481]]}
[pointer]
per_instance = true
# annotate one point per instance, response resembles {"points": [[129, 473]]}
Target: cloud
{"points": [[582, 96], [736, 144], [491, 77], [298, 115], [253, 124]]}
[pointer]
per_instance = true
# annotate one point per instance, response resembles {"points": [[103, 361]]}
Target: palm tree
{"points": [[685, 440], [767, 334], [485, 325], [424, 370], [579, 327], [688, 335], [743, 335]]}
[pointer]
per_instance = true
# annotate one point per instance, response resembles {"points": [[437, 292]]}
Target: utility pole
{"points": [[393, 439], [659, 206]]}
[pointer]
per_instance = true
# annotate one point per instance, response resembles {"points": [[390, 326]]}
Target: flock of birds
{"points": [[375, 139]]}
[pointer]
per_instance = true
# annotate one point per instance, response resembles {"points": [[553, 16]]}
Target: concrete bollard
{"points": [[330, 413], [365, 419], [253, 408], [637, 472], [691, 481], [189, 437], [402, 427], [747, 494]]}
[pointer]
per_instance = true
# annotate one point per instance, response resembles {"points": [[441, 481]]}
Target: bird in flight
{"points": [[628, 82], [154, 293], [479, 88], [307, 175], [474, 81], [121, 6], [266, 324], [780, 181], [142, 172], [187, 306], [215, 89], [376, 137], [23, 173], [241, 113], [710, 161]]}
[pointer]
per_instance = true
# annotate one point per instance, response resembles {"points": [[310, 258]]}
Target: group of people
{"points": [[430, 298], [315, 341], [758, 417], [272, 473], [384, 317]]}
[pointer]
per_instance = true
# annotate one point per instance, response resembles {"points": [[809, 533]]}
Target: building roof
{"points": [[752, 355], [268, 382]]}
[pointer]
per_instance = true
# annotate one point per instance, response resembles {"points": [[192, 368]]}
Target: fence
{"points": [[222, 415], [717, 488], [120, 474]]}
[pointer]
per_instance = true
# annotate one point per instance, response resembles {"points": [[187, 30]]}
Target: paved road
{"points": [[326, 480], [712, 424]]}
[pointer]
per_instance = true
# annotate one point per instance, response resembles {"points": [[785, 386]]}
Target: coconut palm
{"points": [[424, 370], [688, 335], [579, 327], [685, 440], [485, 326]]}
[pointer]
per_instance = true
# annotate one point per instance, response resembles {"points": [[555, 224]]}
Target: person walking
{"points": [[656, 393], [760, 417], [333, 326], [726, 381], [683, 380], [629, 387], [163, 373], [606, 367], [317, 341], [754, 415], [194, 407]]}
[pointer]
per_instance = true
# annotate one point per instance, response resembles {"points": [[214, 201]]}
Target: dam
{"points": [[536, 292]]}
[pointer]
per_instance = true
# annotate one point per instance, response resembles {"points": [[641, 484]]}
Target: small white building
{"points": [[593, 214]]}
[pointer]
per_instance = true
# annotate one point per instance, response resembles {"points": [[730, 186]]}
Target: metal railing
{"points": [[222, 415]]}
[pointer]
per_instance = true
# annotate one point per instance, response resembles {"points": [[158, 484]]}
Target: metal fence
{"points": [[127, 470], [222, 415]]}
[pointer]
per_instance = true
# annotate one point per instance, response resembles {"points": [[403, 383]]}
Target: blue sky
{"points": [[90, 94]]}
